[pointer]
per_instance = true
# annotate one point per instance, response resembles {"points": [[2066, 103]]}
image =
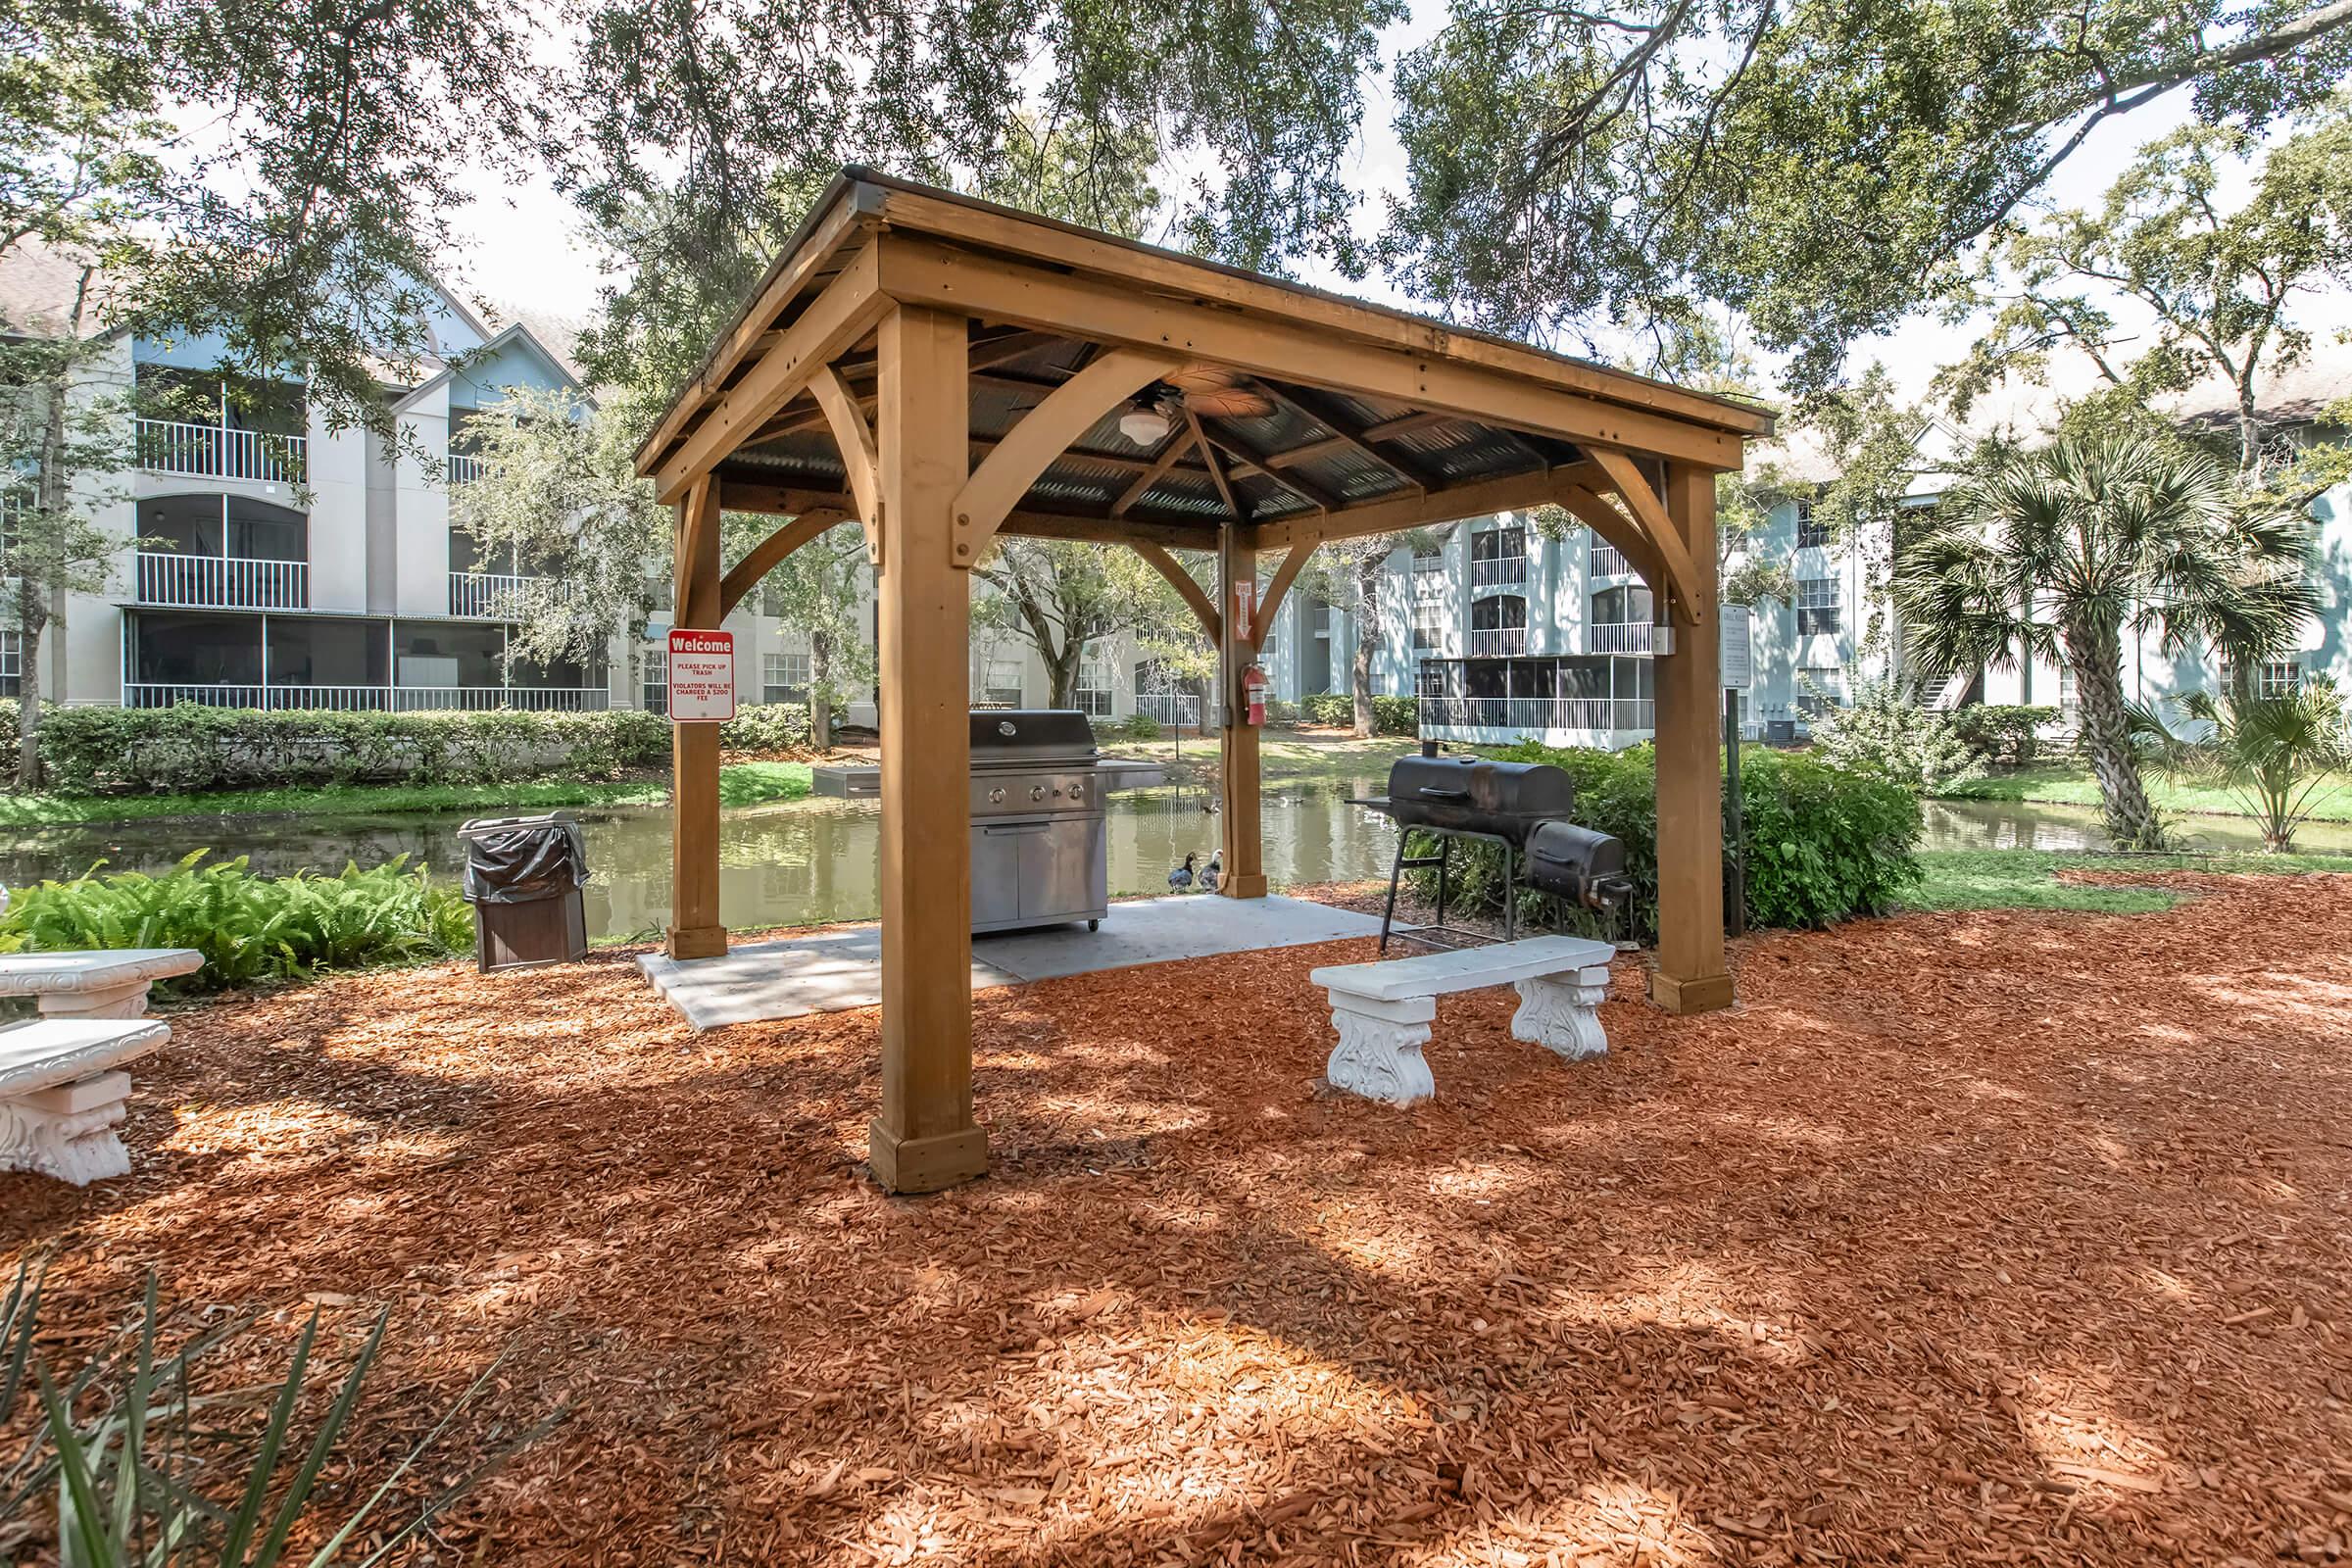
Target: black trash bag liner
{"points": [[521, 860]]}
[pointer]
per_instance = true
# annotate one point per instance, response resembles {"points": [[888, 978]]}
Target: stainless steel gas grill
{"points": [[1038, 854], [1523, 808], [1038, 823]]}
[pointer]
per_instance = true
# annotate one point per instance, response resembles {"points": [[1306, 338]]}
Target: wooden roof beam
{"points": [[1217, 471], [1352, 438]]}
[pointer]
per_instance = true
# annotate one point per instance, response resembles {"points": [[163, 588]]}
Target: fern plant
{"points": [[249, 928]]}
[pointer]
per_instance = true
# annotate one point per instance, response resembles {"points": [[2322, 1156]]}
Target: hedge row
{"points": [[190, 748], [1823, 844], [1390, 715]]}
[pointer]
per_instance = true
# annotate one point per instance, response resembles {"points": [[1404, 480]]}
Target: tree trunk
{"points": [[1061, 670], [29, 687], [1367, 638], [821, 692], [33, 614], [2130, 820]]}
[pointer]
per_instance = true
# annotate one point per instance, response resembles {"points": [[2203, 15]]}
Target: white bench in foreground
{"points": [[64, 1090], [107, 984], [1382, 1010]]}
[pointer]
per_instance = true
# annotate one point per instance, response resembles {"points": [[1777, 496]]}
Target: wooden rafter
{"points": [[1179, 442], [1271, 600], [1351, 438], [1187, 586], [1649, 511], [1075, 407], [855, 436], [1216, 469], [1405, 424], [744, 575], [1305, 489]]}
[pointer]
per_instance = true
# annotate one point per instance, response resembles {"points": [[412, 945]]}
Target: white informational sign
{"points": [[1738, 666], [701, 676]]}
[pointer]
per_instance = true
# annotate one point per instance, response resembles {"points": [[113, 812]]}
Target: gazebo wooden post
{"points": [[695, 931], [1692, 976], [1245, 872], [926, 1138]]}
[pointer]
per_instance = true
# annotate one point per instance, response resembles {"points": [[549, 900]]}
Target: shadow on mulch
{"points": [[1964, 1236]]}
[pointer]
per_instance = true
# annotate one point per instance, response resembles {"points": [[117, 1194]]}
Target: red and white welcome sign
{"points": [[701, 676]]}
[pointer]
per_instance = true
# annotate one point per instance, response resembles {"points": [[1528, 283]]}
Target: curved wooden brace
{"points": [[858, 454], [1651, 513], [1045, 433], [1271, 601], [744, 575], [1187, 587], [1618, 529]]}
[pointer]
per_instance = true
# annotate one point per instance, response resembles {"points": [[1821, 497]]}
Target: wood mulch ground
{"points": [[2004, 1237]]}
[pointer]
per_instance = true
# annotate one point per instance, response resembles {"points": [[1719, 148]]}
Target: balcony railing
{"points": [[217, 452], [1530, 715], [1607, 560], [215, 582], [1495, 572], [372, 699], [488, 594], [464, 467], [1499, 642], [1170, 707], [1628, 637]]}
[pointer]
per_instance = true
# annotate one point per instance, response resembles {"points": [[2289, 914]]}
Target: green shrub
{"points": [[1139, 727], [1280, 711], [1888, 732], [1824, 844], [247, 927], [190, 748], [2002, 735], [1390, 715]]}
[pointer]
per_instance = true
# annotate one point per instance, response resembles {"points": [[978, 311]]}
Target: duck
{"points": [[1214, 869], [1182, 877]]}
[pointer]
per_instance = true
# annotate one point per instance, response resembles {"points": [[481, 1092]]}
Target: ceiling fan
{"points": [[1207, 391]]}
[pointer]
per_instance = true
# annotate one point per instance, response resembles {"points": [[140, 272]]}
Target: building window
{"points": [[654, 691], [2069, 704], [784, 677], [1429, 679], [1819, 688], [1000, 683], [1498, 556], [1429, 628], [12, 663], [1093, 689], [1619, 607], [1816, 605], [2278, 677], [1428, 559], [1811, 534]]}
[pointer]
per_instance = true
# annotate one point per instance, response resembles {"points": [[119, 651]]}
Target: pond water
{"points": [[801, 861]]}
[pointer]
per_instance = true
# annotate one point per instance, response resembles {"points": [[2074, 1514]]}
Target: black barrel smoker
{"points": [[1522, 807]]}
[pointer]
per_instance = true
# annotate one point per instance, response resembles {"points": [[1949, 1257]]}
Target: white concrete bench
{"points": [[1382, 1010], [107, 984], [64, 1090]]}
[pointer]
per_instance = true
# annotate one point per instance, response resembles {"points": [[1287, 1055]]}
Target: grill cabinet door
{"points": [[996, 872], [1061, 867]]}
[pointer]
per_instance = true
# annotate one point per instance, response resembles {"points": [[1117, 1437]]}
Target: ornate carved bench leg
{"points": [[1561, 1011], [1379, 1054], [68, 1131]]}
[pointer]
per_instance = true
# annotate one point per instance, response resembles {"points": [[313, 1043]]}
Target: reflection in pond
{"points": [[803, 862]]}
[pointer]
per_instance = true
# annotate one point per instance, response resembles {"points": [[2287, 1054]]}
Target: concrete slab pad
{"points": [[783, 979], [1162, 930], [837, 969]]}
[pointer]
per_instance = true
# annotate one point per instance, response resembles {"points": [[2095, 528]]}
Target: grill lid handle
{"points": [[1444, 795]]}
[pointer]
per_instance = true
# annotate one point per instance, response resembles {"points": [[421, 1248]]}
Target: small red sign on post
{"points": [[701, 676]]}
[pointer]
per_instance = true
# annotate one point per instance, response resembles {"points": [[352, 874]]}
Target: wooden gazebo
{"points": [[944, 369]]}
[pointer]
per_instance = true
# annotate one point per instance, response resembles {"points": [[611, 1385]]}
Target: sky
{"points": [[524, 246]]}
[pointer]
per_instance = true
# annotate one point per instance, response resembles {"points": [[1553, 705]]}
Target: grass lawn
{"points": [[741, 784], [2070, 783], [1283, 753], [2028, 879]]}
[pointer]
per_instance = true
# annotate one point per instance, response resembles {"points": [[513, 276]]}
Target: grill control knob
{"points": [[1077, 792], [995, 797], [1037, 792]]}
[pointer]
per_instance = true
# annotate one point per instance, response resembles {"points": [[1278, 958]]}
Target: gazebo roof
{"points": [[1302, 435]]}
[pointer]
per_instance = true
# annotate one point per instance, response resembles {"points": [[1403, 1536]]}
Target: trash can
{"points": [[523, 876]]}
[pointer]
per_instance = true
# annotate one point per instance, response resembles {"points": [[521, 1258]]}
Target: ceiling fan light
{"points": [[1144, 426]]}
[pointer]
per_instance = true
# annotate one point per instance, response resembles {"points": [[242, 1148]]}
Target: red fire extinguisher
{"points": [[1253, 689]]}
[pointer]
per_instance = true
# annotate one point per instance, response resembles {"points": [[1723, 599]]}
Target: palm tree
{"points": [[2281, 757], [2058, 553]]}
